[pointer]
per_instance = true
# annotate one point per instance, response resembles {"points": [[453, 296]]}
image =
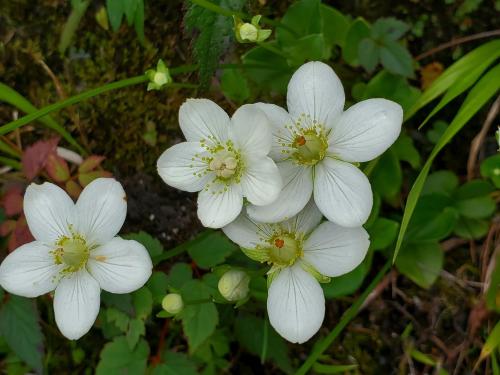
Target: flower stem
{"points": [[273, 49], [346, 318], [10, 162]]}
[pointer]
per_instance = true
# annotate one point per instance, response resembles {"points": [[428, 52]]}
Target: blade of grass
{"points": [[483, 91], [10, 162]]}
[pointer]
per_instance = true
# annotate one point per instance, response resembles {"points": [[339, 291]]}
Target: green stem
{"points": [[272, 49], [10, 162], [81, 97], [346, 318], [9, 150], [182, 247]]}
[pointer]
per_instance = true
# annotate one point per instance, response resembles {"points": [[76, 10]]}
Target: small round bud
{"points": [[248, 32], [233, 285], [172, 303]]}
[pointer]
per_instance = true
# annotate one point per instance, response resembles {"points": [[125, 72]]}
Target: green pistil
{"points": [[72, 252], [311, 147], [284, 249]]}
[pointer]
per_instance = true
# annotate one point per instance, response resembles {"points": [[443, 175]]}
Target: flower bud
{"points": [[158, 77], [172, 303], [233, 285], [250, 32]]}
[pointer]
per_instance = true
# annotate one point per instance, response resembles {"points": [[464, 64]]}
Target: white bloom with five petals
{"points": [[302, 252], [76, 252], [316, 143], [224, 159]]}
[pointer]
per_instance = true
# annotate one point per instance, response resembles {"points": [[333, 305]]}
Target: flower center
{"points": [[73, 252], [285, 250], [224, 164], [310, 147]]}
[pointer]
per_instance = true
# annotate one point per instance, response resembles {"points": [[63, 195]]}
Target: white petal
{"points": [[342, 193], [251, 131], [29, 271], [49, 211], [296, 304], [334, 250], [366, 130], [279, 120], [297, 189], [120, 266], [219, 204], [261, 181], [315, 90], [306, 220], [202, 119], [246, 232], [76, 304], [181, 166], [101, 209]]}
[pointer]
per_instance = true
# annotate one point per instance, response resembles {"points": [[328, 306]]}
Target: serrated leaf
{"points": [[157, 284], [358, 31], [117, 358], [406, 150], [143, 302], [389, 28], [136, 329], [179, 275], [20, 328], [382, 233], [303, 17], [214, 31], [490, 167], [471, 229], [175, 364], [335, 25], [387, 176], [368, 54], [234, 85], [441, 182]]}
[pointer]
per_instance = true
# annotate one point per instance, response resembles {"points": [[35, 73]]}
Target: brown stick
{"points": [[478, 140], [456, 42]]}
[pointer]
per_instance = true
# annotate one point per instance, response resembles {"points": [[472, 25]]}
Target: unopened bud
{"points": [[172, 303], [158, 77], [233, 285], [250, 32]]}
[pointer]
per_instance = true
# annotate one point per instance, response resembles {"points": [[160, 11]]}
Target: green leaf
{"points": [[139, 21], [116, 10], [136, 329], [175, 364], [396, 58], [433, 220], [303, 17], [347, 284], [143, 302], [492, 342], [212, 250], [368, 54], [358, 31], [234, 85], [21, 330], [78, 9], [117, 358], [200, 316], [152, 245], [119, 318], [389, 29], [267, 69], [489, 51], [250, 332], [421, 262], [438, 129], [441, 182], [213, 29], [490, 168], [179, 275], [157, 284], [487, 86], [493, 292], [335, 25], [392, 87], [130, 7], [310, 47], [320, 368], [473, 201], [387, 177], [471, 229], [405, 150], [382, 233]]}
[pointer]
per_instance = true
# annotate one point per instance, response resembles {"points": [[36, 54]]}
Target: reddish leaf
{"points": [[57, 168], [73, 189], [35, 157], [20, 236], [91, 163], [12, 201], [87, 178], [7, 227]]}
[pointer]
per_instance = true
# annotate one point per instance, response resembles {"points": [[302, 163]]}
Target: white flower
{"points": [[75, 252], [302, 252], [225, 159], [315, 144]]}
